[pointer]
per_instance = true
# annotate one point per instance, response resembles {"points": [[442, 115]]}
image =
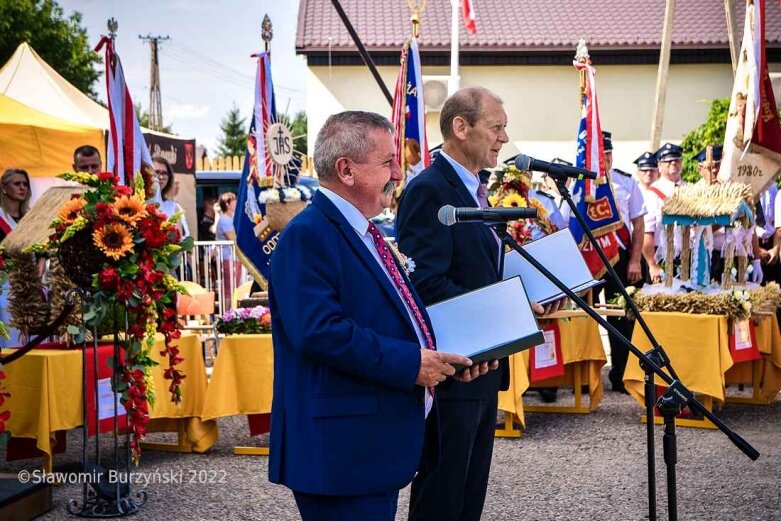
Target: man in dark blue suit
{"points": [[449, 262], [354, 368]]}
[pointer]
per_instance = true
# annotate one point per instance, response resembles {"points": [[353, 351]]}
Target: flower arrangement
{"points": [[735, 303], [513, 191], [4, 415], [293, 201], [138, 248], [275, 195], [245, 321]]}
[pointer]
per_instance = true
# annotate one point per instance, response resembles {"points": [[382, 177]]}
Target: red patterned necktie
{"points": [[398, 281]]}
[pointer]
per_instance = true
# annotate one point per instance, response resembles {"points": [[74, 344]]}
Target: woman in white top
{"points": [[168, 192]]}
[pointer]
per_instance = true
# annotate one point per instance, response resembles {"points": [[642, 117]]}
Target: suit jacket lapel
{"points": [[362, 252], [467, 200]]}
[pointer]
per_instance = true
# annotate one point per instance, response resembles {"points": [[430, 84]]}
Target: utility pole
{"points": [[155, 101]]}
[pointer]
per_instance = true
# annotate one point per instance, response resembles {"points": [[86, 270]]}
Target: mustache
{"points": [[389, 187]]}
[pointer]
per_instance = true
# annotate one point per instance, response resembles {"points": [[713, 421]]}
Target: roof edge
{"points": [[301, 24]]}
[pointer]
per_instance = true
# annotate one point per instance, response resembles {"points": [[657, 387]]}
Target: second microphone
{"points": [[449, 215]]}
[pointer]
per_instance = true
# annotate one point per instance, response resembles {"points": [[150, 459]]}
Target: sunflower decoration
{"points": [[114, 240], [515, 192], [71, 210], [514, 200], [130, 209], [138, 250]]}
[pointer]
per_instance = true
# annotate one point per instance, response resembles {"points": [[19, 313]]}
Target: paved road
{"points": [[585, 467]]}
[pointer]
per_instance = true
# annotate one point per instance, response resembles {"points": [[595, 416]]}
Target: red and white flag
{"points": [[470, 22], [127, 154], [752, 141]]}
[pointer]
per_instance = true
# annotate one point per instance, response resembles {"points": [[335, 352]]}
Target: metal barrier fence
{"points": [[215, 266]]}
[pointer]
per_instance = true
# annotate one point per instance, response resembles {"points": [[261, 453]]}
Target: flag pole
{"points": [[454, 80], [367, 59], [732, 29], [266, 32], [661, 77]]}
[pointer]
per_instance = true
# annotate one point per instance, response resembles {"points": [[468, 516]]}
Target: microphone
{"points": [[449, 215], [557, 171]]}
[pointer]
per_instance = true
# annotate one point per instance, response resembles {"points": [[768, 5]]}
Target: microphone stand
{"points": [[677, 394], [657, 354]]}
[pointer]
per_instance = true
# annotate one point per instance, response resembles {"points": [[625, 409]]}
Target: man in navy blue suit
{"points": [[449, 262], [355, 363]]}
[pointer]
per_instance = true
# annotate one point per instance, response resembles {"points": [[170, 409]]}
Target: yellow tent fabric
{"points": [[41, 144]]}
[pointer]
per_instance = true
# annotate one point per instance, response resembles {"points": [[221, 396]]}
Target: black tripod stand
{"points": [[676, 396]]}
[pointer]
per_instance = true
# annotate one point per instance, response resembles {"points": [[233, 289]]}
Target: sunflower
{"points": [[70, 210], [129, 208], [514, 200], [114, 240], [542, 212], [493, 199]]}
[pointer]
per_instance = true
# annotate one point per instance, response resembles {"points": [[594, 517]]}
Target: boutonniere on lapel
{"points": [[406, 262]]}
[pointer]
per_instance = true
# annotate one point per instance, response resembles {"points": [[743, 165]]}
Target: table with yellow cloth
{"points": [[698, 347], [581, 349], [242, 380], [195, 434], [46, 397]]}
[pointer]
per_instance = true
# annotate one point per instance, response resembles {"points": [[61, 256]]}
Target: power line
{"points": [[216, 65], [191, 62]]}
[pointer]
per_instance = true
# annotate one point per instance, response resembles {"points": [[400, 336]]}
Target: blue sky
{"points": [[205, 67]]}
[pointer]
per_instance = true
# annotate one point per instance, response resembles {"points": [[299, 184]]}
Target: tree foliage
{"points": [[143, 119], [298, 129], [710, 132], [59, 39], [234, 134]]}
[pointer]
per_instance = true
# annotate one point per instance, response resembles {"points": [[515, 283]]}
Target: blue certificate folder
{"points": [[561, 256], [488, 323]]}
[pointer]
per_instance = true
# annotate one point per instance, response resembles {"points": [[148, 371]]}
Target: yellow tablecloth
{"points": [[580, 342], [45, 387], [698, 347], [242, 380], [168, 416]]}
